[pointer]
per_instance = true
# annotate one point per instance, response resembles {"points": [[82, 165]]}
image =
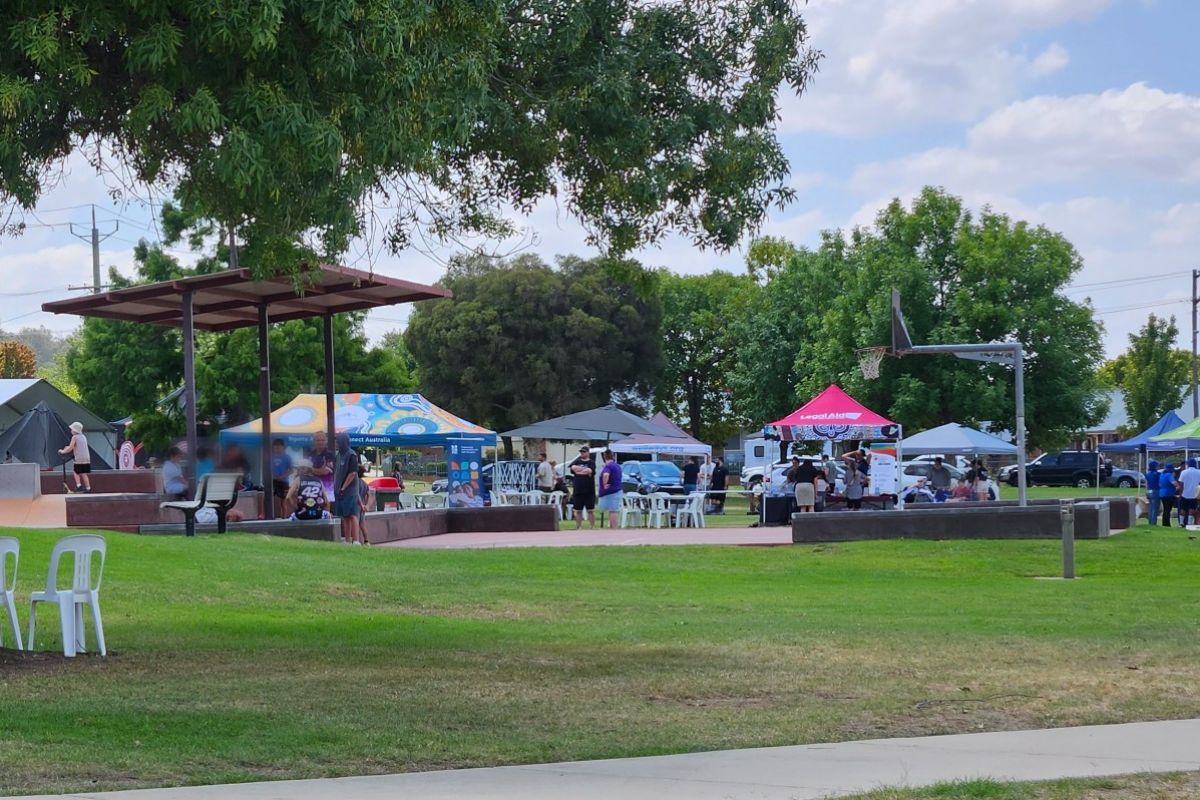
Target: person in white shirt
{"points": [[1187, 484], [78, 448], [545, 475]]}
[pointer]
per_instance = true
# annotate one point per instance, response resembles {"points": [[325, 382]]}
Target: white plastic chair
{"points": [[632, 507], [537, 498], [659, 512], [406, 501], [556, 499], [71, 600], [8, 582], [692, 510]]}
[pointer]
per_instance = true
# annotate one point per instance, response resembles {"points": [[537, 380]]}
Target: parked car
{"points": [[1008, 474], [921, 469], [1125, 478], [644, 477], [1068, 468], [754, 475]]}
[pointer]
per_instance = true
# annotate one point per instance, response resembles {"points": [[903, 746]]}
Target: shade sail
{"points": [[384, 420], [832, 415], [680, 444], [605, 423], [37, 437], [953, 439], [1183, 437], [1168, 423]]}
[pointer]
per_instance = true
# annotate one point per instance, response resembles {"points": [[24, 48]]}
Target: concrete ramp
{"points": [[46, 511]]}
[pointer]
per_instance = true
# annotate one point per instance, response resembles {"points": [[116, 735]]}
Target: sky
{"points": [[1080, 115]]}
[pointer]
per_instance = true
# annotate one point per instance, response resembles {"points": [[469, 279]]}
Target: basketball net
{"points": [[869, 360]]}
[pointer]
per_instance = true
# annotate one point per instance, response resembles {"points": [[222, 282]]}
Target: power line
{"points": [[1125, 281]]}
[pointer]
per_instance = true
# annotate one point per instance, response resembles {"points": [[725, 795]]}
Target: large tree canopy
{"points": [[699, 341], [963, 278], [1152, 374], [284, 116], [522, 341]]}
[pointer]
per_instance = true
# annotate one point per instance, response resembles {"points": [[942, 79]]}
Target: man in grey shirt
{"points": [[939, 475]]}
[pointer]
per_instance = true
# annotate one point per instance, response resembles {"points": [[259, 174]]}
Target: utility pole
{"points": [[1195, 302], [94, 238]]}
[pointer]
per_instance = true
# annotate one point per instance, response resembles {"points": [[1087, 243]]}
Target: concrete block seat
{"points": [[944, 521]]}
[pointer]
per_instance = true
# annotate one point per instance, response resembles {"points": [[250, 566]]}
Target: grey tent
{"points": [[605, 423], [37, 436]]}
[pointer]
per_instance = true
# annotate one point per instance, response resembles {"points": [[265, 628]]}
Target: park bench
{"points": [[217, 490]]}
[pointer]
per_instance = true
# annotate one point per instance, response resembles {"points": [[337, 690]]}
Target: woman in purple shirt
{"points": [[610, 488]]}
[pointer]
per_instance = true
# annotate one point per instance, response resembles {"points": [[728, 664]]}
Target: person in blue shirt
{"points": [[1152, 479], [204, 463], [1166, 493], [281, 475]]}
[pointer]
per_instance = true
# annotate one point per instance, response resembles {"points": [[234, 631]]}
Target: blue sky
{"points": [[1082, 115]]}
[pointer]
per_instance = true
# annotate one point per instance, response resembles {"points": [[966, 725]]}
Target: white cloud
{"points": [[1139, 132], [890, 64]]}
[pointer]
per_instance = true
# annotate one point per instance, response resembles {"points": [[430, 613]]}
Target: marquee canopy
{"points": [[382, 420], [953, 439], [832, 415], [1168, 424], [1184, 437], [681, 443]]}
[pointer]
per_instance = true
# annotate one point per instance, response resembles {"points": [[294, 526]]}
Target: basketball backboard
{"points": [[901, 343]]}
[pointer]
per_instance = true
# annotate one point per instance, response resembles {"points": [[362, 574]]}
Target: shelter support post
{"points": [[1019, 396], [264, 401], [330, 426], [900, 466], [189, 377]]}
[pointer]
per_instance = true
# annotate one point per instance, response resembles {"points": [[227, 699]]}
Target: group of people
{"points": [[1171, 488], [941, 486], [321, 484], [812, 486]]}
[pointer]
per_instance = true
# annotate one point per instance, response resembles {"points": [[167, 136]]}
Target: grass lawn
{"points": [[1184, 786], [244, 657]]}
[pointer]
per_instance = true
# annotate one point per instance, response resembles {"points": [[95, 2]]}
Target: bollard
{"points": [[1066, 512]]}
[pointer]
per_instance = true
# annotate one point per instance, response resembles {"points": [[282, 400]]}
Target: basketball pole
{"points": [[1008, 352]]}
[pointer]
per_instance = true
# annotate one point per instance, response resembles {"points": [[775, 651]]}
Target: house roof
{"points": [[232, 298]]}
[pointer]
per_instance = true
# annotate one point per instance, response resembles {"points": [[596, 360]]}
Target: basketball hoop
{"points": [[869, 360]]}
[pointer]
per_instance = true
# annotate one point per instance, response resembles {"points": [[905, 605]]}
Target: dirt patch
{"points": [[22, 661], [343, 591]]}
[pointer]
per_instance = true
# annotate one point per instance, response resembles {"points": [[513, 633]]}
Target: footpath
{"points": [[803, 772]]}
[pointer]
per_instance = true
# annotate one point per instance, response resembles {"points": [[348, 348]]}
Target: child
{"points": [[78, 448], [364, 498]]}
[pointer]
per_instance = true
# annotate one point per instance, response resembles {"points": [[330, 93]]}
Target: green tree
{"points": [[1152, 374], [287, 118], [699, 334], [227, 365], [963, 278], [522, 341]]}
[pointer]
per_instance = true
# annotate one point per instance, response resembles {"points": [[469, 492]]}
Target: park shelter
{"points": [[18, 396], [38, 435], [603, 424], [682, 443], [237, 298], [953, 439], [372, 420]]}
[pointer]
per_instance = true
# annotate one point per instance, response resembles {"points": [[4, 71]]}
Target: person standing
{"points": [[806, 486], [346, 500], [323, 461], [82, 454], [691, 475], [1166, 493], [281, 473], [610, 488], [583, 487], [1152, 479], [545, 475], [831, 474], [940, 478], [1189, 482], [854, 485], [720, 481]]}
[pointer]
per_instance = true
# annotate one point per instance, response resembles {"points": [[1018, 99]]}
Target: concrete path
{"points": [[624, 537], [805, 772]]}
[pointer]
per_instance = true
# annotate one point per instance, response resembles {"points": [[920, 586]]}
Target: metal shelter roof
{"points": [[231, 299]]}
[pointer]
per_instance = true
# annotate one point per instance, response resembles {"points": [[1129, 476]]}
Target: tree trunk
{"points": [[507, 447]]}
